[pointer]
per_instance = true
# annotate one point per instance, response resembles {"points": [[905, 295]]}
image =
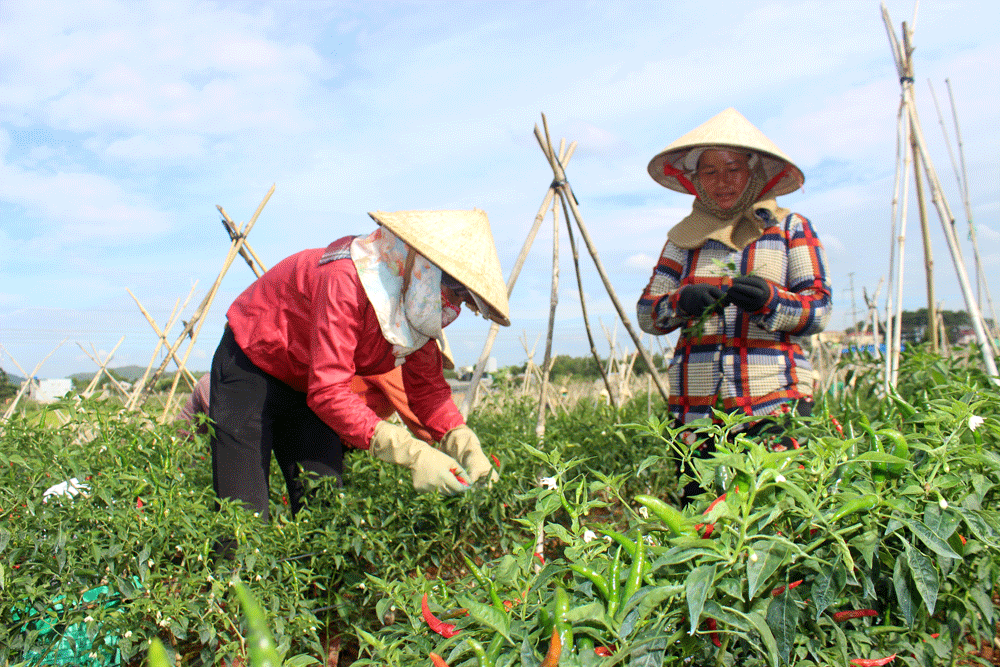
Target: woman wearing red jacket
{"points": [[295, 339]]}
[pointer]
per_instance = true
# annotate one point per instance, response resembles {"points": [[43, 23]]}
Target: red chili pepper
{"points": [[602, 651], [853, 613], [138, 503], [454, 471], [836, 425], [555, 650], [437, 660], [540, 558], [781, 589], [496, 461], [873, 662], [446, 630], [709, 527], [712, 626]]}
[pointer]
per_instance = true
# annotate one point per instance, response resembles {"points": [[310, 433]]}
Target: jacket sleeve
{"points": [[337, 313], [428, 393], [657, 310], [802, 307]]}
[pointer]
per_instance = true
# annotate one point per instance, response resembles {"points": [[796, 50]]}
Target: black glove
{"points": [[696, 299], [749, 293]]}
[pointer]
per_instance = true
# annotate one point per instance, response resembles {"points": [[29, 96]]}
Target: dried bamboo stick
{"points": [[137, 391], [27, 382], [194, 324], [102, 370], [477, 375], [233, 230], [543, 398], [560, 178], [583, 300], [947, 221]]}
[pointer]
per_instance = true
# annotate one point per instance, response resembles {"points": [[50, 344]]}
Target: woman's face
{"points": [[724, 175]]}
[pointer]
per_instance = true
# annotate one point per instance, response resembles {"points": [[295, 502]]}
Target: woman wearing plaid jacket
{"points": [[743, 278]]}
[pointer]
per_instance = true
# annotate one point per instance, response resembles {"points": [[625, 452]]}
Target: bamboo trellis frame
{"points": [[193, 326], [561, 188], [137, 390], [902, 54], [103, 370], [28, 378]]}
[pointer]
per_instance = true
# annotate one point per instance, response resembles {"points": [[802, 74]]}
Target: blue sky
{"points": [[123, 124]]}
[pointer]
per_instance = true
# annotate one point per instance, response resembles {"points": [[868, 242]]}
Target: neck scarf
{"points": [[404, 289]]}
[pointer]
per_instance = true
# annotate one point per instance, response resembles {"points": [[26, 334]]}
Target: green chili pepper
{"points": [[625, 543], [678, 524], [562, 625], [599, 581], [493, 652], [904, 408], [861, 503], [614, 581], [723, 476], [899, 448], [545, 620], [487, 583], [477, 648], [634, 580]]}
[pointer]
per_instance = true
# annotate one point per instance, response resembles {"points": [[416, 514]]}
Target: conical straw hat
{"points": [[459, 243], [731, 130]]}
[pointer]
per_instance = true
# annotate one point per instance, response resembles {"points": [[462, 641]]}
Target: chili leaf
{"points": [[488, 616], [697, 584], [760, 623], [924, 576], [902, 586], [935, 542], [827, 587], [783, 619], [770, 556]]}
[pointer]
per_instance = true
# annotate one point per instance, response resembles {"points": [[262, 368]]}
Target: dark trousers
{"points": [[767, 429], [254, 414]]}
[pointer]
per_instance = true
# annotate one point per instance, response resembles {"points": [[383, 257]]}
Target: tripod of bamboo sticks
{"points": [[911, 145], [238, 246], [561, 198]]}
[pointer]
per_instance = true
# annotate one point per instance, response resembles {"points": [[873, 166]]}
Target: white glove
{"points": [[463, 445], [432, 470]]}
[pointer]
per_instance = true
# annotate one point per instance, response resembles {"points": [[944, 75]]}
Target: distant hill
{"points": [[12, 378], [130, 373]]}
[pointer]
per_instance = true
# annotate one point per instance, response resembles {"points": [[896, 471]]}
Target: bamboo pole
{"points": [[102, 370], [583, 303], [233, 230], [563, 184], [133, 401], [946, 218], [193, 326], [477, 375], [925, 233], [28, 379], [163, 334], [907, 155], [553, 302]]}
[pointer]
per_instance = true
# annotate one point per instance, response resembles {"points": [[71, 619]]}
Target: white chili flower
{"points": [[549, 483], [589, 535], [643, 512], [943, 504], [975, 421], [779, 478]]}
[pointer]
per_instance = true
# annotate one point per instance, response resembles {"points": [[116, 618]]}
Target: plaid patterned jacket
{"points": [[753, 361]]}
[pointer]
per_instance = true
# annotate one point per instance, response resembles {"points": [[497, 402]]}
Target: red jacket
{"points": [[312, 327]]}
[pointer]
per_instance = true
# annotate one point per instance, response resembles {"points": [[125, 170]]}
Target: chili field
{"points": [[875, 541]]}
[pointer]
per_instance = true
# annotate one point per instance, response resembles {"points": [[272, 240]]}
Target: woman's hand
{"points": [[432, 470], [694, 300], [749, 293], [462, 444]]}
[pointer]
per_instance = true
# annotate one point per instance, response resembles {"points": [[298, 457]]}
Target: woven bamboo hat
{"points": [[459, 243], [728, 129]]}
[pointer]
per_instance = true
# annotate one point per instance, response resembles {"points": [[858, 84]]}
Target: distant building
{"points": [[49, 391]]}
